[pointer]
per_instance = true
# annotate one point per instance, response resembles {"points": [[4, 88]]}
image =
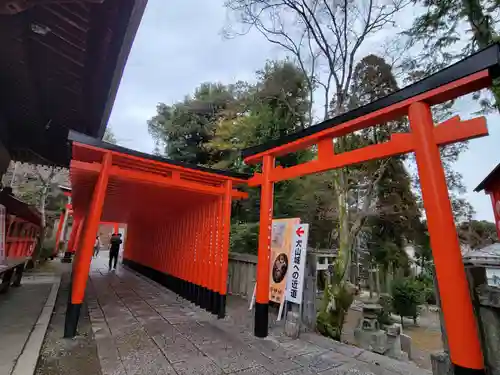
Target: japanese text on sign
{"points": [[295, 280], [276, 294]]}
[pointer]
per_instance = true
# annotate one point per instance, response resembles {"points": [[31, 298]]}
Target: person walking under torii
{"points": [[114, 248]]}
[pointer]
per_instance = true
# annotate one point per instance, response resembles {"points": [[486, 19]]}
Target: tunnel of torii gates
{"points": [[178, 216]]}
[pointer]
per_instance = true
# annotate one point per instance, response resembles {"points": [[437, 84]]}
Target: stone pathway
{"points": [[19, 311], [140, 327], [60, 356]]}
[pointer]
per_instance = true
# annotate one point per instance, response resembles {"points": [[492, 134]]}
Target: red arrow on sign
{"points": [[299, 231]]}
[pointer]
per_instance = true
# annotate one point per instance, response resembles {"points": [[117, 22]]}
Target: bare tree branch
{"points": [[324, 37]]}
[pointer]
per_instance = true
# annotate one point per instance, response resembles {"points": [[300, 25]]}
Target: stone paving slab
{"points": [[140, 327], [20, 309]]}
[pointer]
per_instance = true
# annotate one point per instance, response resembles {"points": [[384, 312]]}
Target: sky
{"points": [[179, 45]]}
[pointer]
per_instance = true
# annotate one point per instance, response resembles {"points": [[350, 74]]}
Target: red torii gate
{"points": [[177, 216], [415, 101], [491, 186]]}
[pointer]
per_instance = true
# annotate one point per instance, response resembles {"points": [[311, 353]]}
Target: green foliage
{"points": [[428, 290], [429, 295], [449, 30], [477, 233], [407, 294], [384, 317], [385, 207], [244, 238], [212, 126], [387, 253], [274, 106], [182, 130], [396, 207]]}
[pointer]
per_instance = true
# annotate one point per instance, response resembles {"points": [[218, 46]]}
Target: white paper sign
{"points": [[295, 279]]}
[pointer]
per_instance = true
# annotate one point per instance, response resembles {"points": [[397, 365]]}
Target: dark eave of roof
{"points": [[133, 23], [84, 139], [488, 58], [60, 67], [493, 176]]}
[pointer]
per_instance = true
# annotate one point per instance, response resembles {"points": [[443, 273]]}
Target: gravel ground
{"points": [[426, 335], [61, 356]]}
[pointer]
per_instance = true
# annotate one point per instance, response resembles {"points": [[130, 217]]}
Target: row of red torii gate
{"points": [[178, 215]]}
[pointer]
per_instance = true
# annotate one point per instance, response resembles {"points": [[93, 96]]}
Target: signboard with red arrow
{"points": [[300, 231], [295, 278]]}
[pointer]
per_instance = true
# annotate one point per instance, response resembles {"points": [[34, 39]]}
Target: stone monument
{"points": [[368, 335]]}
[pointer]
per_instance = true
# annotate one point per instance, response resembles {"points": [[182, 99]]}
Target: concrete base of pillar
{"points": [[292, 323], [441, 364]]}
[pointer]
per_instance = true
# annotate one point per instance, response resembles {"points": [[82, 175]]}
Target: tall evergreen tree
{"points": [[450, 30], [181, 130], [390, 221], [397, 220], [477, 233], [275, 106]]}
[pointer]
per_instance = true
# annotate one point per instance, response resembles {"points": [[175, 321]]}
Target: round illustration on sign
{"points": [[280, 266]]}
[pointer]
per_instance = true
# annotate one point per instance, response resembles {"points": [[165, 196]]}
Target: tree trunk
{"points": [[479, 23], [43, 199], [13, 179], [388, 277], [38, 248], [377, 280], [357, 275], [343, 225], [371, 281], [483, 32]]}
